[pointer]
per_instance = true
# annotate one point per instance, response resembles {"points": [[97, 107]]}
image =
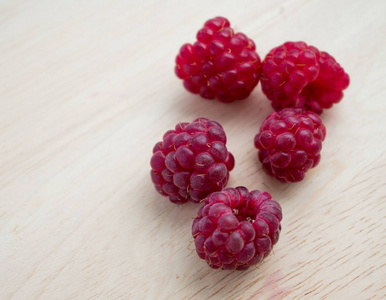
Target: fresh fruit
{"points": [[220, 64], [297, 75], [236, 229], [191, 161], [289, 143]]}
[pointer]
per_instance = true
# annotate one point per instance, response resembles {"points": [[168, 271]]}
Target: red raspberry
{"points": [[298, 75], [192, 161], [236, 229], [289, 143], [220, 64]]}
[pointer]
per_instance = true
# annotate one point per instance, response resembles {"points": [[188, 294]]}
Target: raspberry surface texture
{"points": [[289, 143], [221, 64], [236, 229], [191, 161], [297, 75]]}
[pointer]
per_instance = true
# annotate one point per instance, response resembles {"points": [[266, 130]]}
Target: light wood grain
{"points": [[87, 88]]}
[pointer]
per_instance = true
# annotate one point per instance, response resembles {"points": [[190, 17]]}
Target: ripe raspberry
{"points": [[236, 229], [192, 161], [298, 75], [220, 64], [289, 143]]}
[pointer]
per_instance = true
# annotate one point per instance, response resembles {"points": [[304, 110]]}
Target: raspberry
{"points": [[297, 75], [289, 143], [236, 229], [220, 64], [192, 161]]}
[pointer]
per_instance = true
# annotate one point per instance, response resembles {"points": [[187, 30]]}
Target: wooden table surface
{"points": [[87, 88]]}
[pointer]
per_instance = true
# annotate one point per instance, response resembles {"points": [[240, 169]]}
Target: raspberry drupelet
{"points": [[192, 161], [236, 229], [289, 143], [220, 64], [297, 75]]}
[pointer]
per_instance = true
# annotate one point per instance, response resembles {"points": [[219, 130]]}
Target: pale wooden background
{"points": [[87, 88]]}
